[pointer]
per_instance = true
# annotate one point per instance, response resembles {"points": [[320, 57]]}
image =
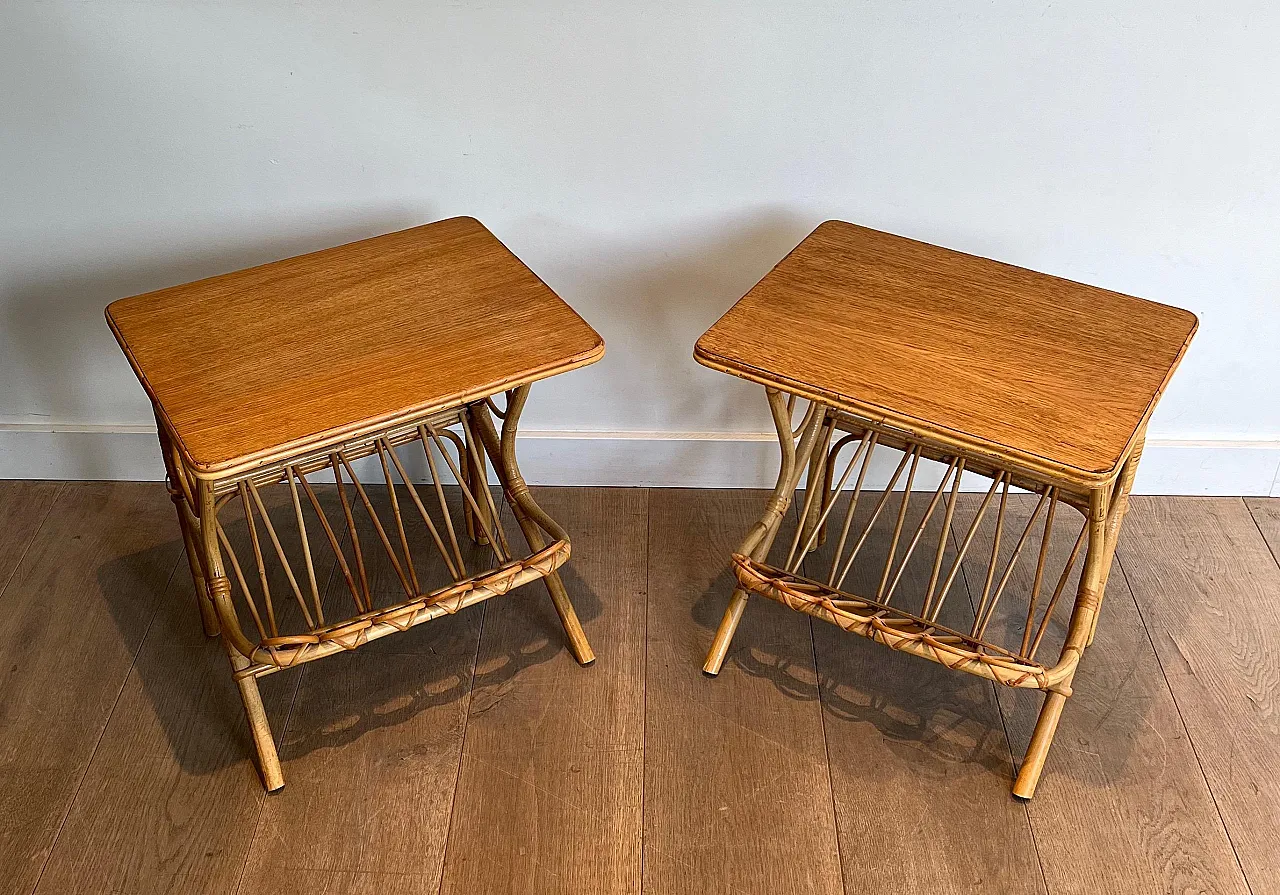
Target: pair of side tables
{"points": [[282, 391]]}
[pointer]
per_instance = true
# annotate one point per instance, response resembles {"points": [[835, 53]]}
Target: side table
{"points": [[960, 368], [285, 376]]}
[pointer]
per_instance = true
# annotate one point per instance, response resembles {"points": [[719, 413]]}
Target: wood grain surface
{"points": [[73, 617], [737, 793], [552, 772], [124, 753], [309, 350], [1209, 590], [1001, 358]]}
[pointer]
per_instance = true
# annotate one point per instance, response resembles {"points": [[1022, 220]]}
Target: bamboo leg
{"points": [[724, 633], [573, 631], [577, 637], [238, 647], [1119, 507], [531, 517], [1041, 738], [1110, 552], [760, 538], [1083, 617], [208, 616], [263, 741]]}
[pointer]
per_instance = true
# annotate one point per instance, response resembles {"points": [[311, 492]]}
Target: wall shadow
{"points": [[650, 300], [61, 350]]}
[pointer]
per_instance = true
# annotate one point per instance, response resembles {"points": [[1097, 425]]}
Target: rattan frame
{"points": [[809, 446], [226, 594]]}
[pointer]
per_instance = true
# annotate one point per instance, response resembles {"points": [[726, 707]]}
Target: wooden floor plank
{"points": [[171, 799], [737, 795], [74, 616], [1122, 806], [734, 770], [1209, 592], [918, 753], [1266, 513], [23, 507], [550, 794], [372, 747]]}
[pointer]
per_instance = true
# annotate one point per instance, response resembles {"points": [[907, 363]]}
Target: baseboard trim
{"points": [[657, 459]]}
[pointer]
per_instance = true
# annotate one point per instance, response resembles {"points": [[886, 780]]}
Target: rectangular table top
{"points": [[296, 354], [1011, 363]]}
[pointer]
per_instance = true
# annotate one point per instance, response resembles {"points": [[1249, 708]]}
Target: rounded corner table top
{"points": [[344, 341], [1005, 360]]}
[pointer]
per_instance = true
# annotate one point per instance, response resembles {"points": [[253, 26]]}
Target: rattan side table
{"points": [[960, 367], [387, 354]]}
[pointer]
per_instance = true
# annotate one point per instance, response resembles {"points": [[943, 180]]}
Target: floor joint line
{"points": [[124, 682], [1213, 796]]}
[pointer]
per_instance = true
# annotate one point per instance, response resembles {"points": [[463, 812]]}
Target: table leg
{"points": [[237, 645], [182, 503], [760, 538], [1083, 618], [1119, 507], [533, 520], [263, 740]]}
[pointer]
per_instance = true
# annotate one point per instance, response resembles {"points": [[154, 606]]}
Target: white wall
{"points": [[651, 161]]}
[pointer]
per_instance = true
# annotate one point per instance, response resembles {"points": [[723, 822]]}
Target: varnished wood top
{"points": [[301, 353], [1045, 372]]}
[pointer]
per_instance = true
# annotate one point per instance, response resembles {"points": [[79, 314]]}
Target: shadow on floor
{"points": [[187, 679], [930, 715]]}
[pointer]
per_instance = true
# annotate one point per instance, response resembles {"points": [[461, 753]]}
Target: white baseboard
{"points": [[666, 459]]}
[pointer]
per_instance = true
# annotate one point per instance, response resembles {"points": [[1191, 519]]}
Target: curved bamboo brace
{"points": [[531, 518], [478, 513], [814, 531], [502, 453], [760, 538], [817, 484]]}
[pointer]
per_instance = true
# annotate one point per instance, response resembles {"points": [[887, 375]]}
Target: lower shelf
{"points": [[290, 650], [896, 628]]}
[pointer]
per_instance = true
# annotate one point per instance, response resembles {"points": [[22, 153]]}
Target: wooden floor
{"points": [[473, 756]]}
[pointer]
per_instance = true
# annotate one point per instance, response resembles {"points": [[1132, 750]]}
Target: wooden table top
{"points": [[301, 353], [1053, 374]]}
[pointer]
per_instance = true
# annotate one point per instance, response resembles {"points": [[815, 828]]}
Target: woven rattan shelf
{"points": [[327, 426], [962, 371]]}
